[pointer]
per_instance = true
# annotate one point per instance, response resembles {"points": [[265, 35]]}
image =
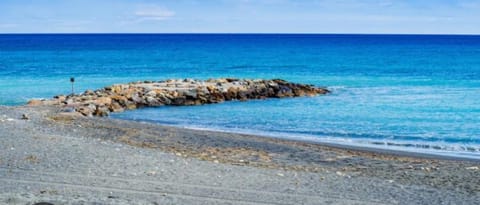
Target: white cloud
{"points": [[153, 13]]}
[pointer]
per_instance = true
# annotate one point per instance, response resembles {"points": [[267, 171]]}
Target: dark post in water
{"points": [[72, 80]]}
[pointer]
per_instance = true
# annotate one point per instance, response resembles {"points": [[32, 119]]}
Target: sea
{"points": [[415, 93]]}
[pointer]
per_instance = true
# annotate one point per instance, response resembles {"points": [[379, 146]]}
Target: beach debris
{"points": [[339, 173], [25, 117], [120, 97], [472, 168], [280, 175], [32, 159]]}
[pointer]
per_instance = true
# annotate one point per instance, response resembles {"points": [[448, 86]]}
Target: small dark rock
{"points": [[25, 117]]}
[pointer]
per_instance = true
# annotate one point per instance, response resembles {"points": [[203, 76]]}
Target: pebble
{"points": [[25, 117], [151, 173]]}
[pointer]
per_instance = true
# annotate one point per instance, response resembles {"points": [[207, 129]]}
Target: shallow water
{"points": [[417, 93]]}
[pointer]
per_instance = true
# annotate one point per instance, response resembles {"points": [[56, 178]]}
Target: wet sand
{"points": [[65, 158]]}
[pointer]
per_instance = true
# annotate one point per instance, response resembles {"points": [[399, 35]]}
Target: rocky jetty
{"points": [[120, 97]]}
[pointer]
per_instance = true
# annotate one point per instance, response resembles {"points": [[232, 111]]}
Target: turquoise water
{"points": [[409, 92]]}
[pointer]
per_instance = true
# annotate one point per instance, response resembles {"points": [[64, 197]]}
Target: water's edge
{"points": [[329, 143], [412, 149]]}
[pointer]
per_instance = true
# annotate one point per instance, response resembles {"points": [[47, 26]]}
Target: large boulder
{"points": [[35, 103], [104, 101]]}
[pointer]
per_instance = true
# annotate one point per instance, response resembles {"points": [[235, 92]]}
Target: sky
{"points": [[241, 16]]}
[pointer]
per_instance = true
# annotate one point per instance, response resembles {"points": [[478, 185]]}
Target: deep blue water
{"points": [[410, 92]]}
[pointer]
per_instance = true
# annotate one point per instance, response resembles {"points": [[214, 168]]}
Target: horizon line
{"points": [[240, 33]]}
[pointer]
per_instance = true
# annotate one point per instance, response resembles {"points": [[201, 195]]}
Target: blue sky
{"points": [[240, 16]]}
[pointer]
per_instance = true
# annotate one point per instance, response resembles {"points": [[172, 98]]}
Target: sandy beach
{"points": [[65, 158]]}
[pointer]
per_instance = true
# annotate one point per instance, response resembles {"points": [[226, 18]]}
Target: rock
{"points": [[231, 93], [69, 101], [103, 101], [116, 107], [222, 80], [137, 99], [230, 80], [216, 98], [284, 91], [89, 92], [151, 93], [60, 98], [191, 93], [66, 116], [122, 100], [339, 173], [180, 100], [151, 101], [101, 111], [117, 88], [25, 117], [35, 103], [131, 106], [86, 111], [165, 99], [298, 92], [68, 109]]}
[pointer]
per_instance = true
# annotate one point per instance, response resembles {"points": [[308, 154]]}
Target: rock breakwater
{"points": [[120, 97]]}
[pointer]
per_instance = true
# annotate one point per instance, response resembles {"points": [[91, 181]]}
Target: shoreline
{"points": [[441, 155], [306, 139]]}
